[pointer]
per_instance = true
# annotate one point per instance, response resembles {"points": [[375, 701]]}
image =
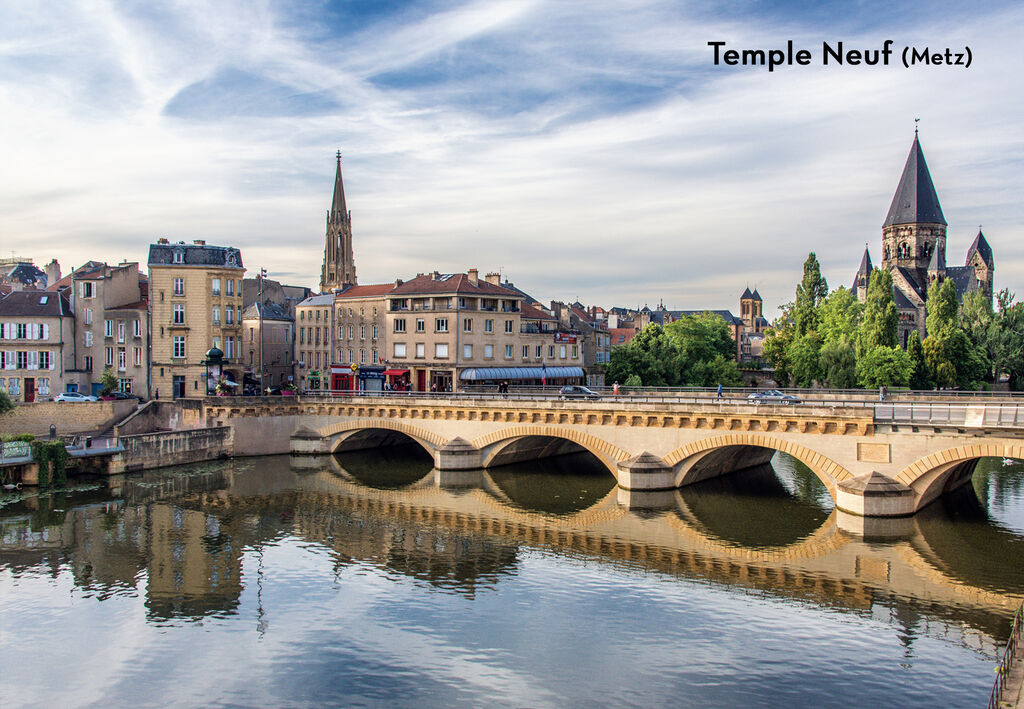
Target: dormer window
{"points": [[179, 256]]}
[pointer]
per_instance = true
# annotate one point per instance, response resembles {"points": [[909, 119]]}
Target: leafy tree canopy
{"points": [[880, 323], [884, 366], [810, 293], [942, 308]]}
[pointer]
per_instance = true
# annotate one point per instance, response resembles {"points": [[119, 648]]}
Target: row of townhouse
{"points": [[435, 332]]}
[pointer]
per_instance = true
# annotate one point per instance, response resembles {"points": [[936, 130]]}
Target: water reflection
{"points": [[250, 539]]}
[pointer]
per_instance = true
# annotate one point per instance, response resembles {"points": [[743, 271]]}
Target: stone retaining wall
{"points": [[162, 416], [68, 417], [156, 450]]}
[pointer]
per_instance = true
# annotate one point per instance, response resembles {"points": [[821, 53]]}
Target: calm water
{"points": [[371, 580]]}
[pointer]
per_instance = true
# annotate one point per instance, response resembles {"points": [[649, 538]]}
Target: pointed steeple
{"points": [[915, 201], [865, 263], [756, 296], [937, 264], [747, 295], [980, 246], [338, 203]]}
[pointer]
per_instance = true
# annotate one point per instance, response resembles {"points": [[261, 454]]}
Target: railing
{"points": [[994, 414], [15, 451], [1008, 658]]}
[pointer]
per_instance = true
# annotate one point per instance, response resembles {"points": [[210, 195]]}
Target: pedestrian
{"points": [[881, 393], [719, 391], [615, 389]]}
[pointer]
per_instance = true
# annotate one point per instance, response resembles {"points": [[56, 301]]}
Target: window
{"points": [[373, 358], [252, 334], [230, 348], [302, 359], [467, 351], [45, 360], [179, 256], [539, 350], [87, 316], [374, 332], [441, 350], [318, 359], [216, 315], [43, 386], [575, 352], [86, 289], [399, 349], [231, 287], [526, 352], [362, 356], [561, 351], [467, 325], [216, 342], [508, 327], [179, 314], [108, 327], [88, 363], [179, 286], [488, 351], [137, 328], [375, 312], [120, 330], [362, 332], [351, 332], [179, 347], [229, 315], [122, 359], [126, 385], [138, 356], [440, 324], [318, 336], [551, 351], [317, 315], [421, 350], [488, 326], [302, 335], [88, 339], [22, 331], [108, 356], [362, 312], [509, 351], [215, 286], [399, 324], [421, 325], [14, 387]]}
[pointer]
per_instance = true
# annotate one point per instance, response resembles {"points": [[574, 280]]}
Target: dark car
{"points": [[578, 392], [120, 395], [773, 396]]}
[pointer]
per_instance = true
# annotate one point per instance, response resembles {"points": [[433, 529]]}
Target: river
{"points": [[369, 579]]}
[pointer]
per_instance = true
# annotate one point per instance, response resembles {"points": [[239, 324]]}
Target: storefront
{"points": [[371, 378], [343, 378], [522, 376], [397, 379], [440, 380]]}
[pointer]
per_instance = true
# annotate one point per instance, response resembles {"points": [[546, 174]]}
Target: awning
{"points": [[479, 374], [229, 383], [395, 372]]}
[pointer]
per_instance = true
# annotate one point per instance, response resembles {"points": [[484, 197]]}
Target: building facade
{"points": [[360, 343], [314, 332], [195, 305], [268, 341], [37, 335]]}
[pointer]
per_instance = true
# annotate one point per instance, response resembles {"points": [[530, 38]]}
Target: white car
{"points": [[73, 396]]}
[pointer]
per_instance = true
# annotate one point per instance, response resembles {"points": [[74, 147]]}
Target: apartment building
{"points": [[36, 344], [195, 297], [314, 333], [270, 342], [360, 343]]}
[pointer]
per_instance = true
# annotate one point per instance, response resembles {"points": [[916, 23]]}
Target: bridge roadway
{"points": [[876, 459]]}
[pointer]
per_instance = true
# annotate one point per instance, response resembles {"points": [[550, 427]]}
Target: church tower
{"points": [[339, 268], [914, 227]]}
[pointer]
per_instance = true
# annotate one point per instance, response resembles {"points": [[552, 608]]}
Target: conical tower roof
{"points": [[865, 263], [756, 296], [915, 200], [747, 295], [338, 203], [981, 247], [937, 263]]}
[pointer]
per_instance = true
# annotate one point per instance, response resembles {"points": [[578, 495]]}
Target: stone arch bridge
{"points": [[872, 464]]}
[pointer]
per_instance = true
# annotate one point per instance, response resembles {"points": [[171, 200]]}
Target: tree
{"points": [[953, 360], [6, 403], [1008, 340], [651, 355], [109, 382], [776, 344], [706, 350], [812, 290], [919, 378], [884, 366], [942, 308], [838, 364], [804, 357], [839, 316], [880, 323], [978, 320]]}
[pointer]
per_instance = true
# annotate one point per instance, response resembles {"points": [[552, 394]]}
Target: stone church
{"points": [[339, 268], [914, 249]]}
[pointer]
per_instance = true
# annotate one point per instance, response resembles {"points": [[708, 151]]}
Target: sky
{"points": [[584, 149]]}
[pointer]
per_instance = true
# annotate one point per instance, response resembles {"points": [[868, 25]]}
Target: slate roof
{"points": [[271, 311], [865, 263], [918, 288], [980, 245], [902, 302], [937, 262], [28, 275], [195, 255], [318, 300], [756, 296], [429, 284], [35, 303], [915, 199], [963, 279], [746, 294]]}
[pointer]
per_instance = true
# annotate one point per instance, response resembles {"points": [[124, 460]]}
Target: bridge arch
{"points": [[494, 443], [704, 458], [337, 433], [946, 470]]}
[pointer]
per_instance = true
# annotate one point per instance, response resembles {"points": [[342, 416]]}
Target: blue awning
{"points": [[479, 374]]}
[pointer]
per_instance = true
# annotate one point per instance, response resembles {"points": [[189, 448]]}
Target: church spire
{"points": [[915, 201], [339, 267], [338, 203]]}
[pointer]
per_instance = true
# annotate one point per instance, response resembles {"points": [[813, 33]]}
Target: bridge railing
{"points": [[981, 415], [1008, 658]]}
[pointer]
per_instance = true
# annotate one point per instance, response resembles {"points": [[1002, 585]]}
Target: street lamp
{"points": [[263, 379], [214, 367]]}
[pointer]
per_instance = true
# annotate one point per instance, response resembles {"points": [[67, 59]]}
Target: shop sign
{"points": [[565, 338]]}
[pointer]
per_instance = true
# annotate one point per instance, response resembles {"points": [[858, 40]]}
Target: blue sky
{"points": [[585, 149]]}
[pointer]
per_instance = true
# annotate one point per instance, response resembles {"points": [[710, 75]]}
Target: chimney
{"points": [[199, 242], [435, 276], [493, 278], [474, 276], [398, 282], [162, 240], [52, 272]]}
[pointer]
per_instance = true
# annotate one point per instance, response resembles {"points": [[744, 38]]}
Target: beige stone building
{"points": [[314, 332], [276, 334], [195, 305], [36, 344], [360, 342], [111, 325]]}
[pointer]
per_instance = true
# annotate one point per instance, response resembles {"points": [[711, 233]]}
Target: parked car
{"points": [[773, 396], [73, 396], [578, 392], [120, 395]]}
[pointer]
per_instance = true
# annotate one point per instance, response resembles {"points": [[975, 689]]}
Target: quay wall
{"points": [[68, 417], [156, 450], [158, 415]]}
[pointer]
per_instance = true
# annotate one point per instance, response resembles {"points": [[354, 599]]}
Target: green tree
{"points": [[6, 403], [633, 380], [651, 355], [978, 320], [108, 381], [1008, 340], [838, 364], [839, 316], [810, 293], [953, 360], [884, 365], [804, 357], [919, 378], [942, 308], [776, 345], [706, 350], [880, 323]]}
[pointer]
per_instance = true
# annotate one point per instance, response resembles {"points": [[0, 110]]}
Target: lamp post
{"points": [[263, 382]]}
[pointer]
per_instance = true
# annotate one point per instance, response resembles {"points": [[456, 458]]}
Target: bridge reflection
{"points": [[189, 534]]}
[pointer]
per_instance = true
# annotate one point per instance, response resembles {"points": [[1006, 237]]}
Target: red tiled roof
{"points": [[367, 291], [452, 283], [140, 305], [621, 335], [531, 313]]}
